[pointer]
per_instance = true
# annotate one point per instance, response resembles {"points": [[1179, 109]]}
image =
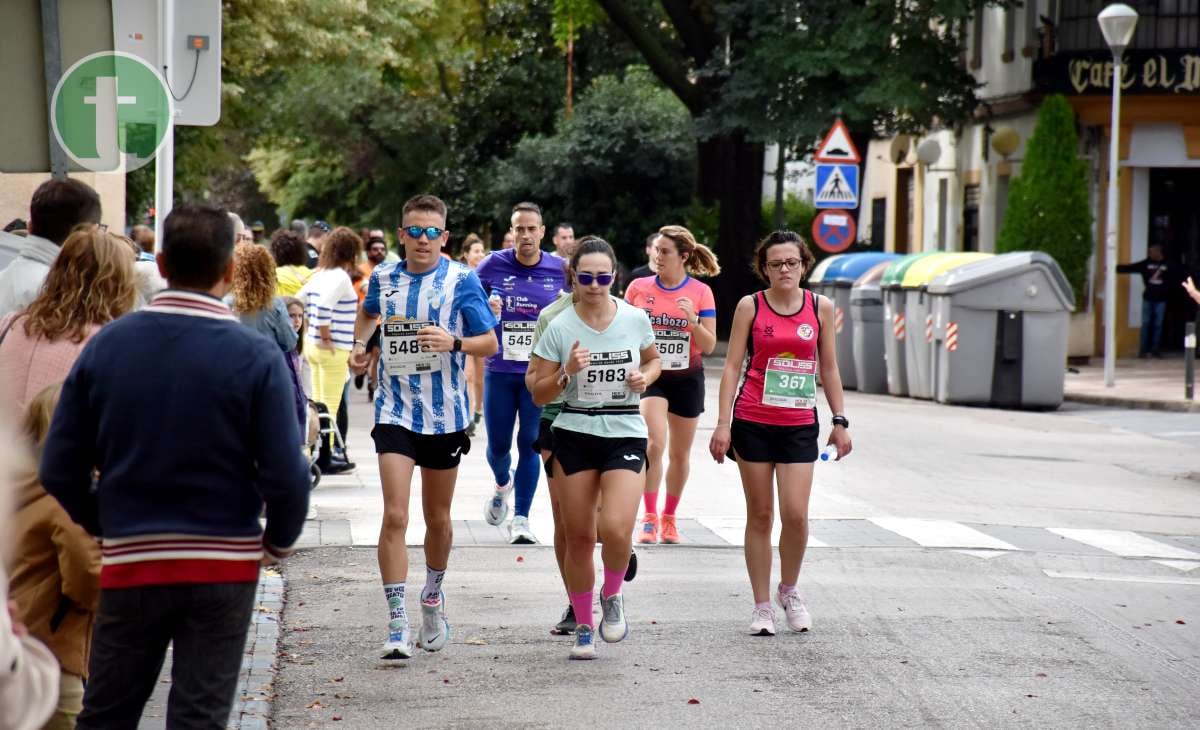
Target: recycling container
{"points": [[816, 280], [837, 281], [918, 347], [894, 326], [1001, 331], [866, 312]]}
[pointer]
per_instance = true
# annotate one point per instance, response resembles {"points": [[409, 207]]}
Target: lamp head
{"points": [[1117, 22]]}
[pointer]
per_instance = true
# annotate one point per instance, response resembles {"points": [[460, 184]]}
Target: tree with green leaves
{"points": [[621, 167], [757, 71], [1048, 202]]}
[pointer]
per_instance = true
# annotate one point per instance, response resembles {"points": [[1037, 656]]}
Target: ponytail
{"points": [[701, 261]]}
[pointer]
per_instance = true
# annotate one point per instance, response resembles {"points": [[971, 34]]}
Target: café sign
{"points": [[1145, 72]]}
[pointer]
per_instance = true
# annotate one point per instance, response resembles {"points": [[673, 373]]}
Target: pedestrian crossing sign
{"points": [[837, 186]]}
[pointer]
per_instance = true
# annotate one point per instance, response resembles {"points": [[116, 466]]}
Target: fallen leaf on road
{"points": [[1031, 695], [1181, 622], [335, 718], [1041, 674], [520, 558], [315, 705], [445, 681], [693, 701], [337, 679], [475, 642]]}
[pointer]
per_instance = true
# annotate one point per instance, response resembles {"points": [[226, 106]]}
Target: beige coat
{"points": [[55, 576]]}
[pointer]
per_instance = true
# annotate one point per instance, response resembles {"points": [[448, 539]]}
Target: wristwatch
{"points": [[840, 420], [458, 344]]}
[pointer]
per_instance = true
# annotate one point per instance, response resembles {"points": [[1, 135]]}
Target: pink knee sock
{"points": [[671, 505], [612, 581], [650, 500], [582, 603]]}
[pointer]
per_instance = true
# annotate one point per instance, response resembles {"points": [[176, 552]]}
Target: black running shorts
{"points": [[578, 452], [431, 451], [545, 442], [684, 391], [760, 442]]}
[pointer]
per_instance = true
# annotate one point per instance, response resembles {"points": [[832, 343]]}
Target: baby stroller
{"points": [[320, 427]]}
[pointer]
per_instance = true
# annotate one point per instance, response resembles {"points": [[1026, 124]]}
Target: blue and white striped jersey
{"points": [[451, 297]]}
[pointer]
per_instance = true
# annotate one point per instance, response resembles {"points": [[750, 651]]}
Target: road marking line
{"points": [[1183, 565], [733, 530], [940, 533], [1119, 578], [1124, 543], [985, 554]]}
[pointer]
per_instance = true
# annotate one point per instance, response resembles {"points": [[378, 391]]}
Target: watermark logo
{"points": [[110, 111]]}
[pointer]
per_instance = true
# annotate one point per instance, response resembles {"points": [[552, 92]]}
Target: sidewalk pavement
{"points": [[1153, 384]]}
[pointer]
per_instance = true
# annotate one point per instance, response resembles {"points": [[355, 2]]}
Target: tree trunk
{"points": [[731, 176]]}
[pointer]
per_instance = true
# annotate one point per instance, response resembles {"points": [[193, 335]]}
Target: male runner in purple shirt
{"points": [[520, 282]]}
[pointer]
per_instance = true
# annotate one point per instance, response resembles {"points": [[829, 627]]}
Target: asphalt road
{"points": [[969, 567]]}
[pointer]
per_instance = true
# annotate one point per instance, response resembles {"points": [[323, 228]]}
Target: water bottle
{"points": [[829, 453]]}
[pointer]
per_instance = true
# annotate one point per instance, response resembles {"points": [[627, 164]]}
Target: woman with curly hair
{"points": [[90, 284], [253, 299]]}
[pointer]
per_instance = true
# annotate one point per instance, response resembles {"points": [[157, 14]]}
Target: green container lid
{"points": [[895, 272], [927, 269]]}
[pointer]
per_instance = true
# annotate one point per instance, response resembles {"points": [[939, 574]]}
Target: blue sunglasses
{"points": [[586, 279], [432, 232]]}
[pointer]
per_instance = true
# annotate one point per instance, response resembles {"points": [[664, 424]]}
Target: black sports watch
{"points": [[840, 420], [457, 344]]}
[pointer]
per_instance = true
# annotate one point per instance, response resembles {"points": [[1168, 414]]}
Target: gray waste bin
{"points": [[894, 326], [1000, 328], [918, 348], [837, 281], [866, 312]]}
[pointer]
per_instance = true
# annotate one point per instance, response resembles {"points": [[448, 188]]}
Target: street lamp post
{"points": [[1117, 22]]}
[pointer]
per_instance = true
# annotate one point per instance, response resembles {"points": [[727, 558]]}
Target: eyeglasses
{"points": [[432, 232], [786, 263], [587, 279]]}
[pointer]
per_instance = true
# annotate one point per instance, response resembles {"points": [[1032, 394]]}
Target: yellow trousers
{"points": [[329, 371]]}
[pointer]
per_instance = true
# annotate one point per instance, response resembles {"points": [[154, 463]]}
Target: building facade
{"points": [[953, 195]]}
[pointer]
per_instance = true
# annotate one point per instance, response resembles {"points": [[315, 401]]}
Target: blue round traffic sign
{"points": [[834, 230]]}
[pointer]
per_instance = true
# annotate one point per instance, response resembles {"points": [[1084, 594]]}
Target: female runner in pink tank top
{"points": [[784, 337]]}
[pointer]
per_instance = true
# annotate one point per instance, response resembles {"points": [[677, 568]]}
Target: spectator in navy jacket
{"points": [[185, 418]]}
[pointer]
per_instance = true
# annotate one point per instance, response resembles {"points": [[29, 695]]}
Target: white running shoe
{"points": [[519, 532], [613, 626], [798, 618], [435, 629], [398, 645], [496, 508], [762, 623], [585, 645]]}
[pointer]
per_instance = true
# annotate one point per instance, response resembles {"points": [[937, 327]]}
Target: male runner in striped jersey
{"points": [[435, 314]]}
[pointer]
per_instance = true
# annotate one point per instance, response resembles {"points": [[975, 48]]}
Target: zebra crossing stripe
{"points": [[1126, 544], [940, 533]]}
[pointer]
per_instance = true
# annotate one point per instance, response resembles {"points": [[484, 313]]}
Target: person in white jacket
{"points": [[29, 673], [56, 208]]}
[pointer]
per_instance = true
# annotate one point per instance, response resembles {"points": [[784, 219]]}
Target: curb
{"points": [[1176, 406], [256, 684]]}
